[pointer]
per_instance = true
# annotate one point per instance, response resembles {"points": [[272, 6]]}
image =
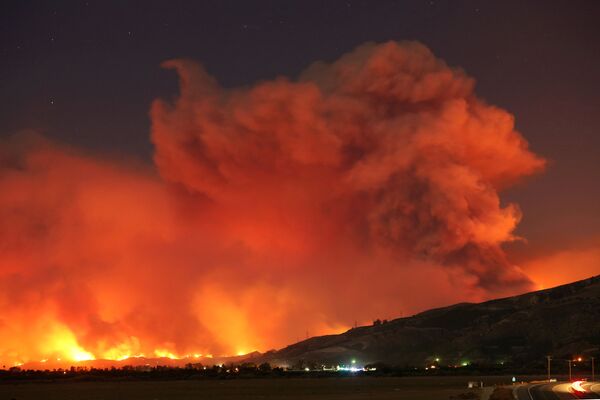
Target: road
{"points": [[556, 390]]}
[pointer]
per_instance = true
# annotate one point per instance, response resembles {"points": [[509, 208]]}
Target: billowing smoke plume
{"points": [[367, 188], [388, 143]]}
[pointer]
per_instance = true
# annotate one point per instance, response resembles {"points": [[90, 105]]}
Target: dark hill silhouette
{"points": [[562, 321]]}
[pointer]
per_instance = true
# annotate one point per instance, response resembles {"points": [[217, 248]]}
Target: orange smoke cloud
{"points": [[388, 142], [285, 207], [559, 266]]}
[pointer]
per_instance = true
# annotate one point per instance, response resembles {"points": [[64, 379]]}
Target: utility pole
{"points": [[549, 358], [569, 361], [593, 377]]}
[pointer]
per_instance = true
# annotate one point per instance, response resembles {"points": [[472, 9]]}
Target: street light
{"points": [[549, 358], [593, 377]]}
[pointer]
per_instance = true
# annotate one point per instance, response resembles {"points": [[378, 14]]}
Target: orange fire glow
{"points": [[273, 212]]}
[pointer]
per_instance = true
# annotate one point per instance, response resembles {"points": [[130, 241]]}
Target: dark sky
{"points": [[86, 72]]}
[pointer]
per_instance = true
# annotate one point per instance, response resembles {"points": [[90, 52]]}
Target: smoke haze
{"points": [[368, 187]]}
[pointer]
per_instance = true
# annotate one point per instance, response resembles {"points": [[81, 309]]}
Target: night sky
{"points": [[84, 74]]}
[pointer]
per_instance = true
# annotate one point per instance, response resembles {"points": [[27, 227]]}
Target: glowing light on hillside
{"points": [[78, 354], [62, 341], [165, 354]]}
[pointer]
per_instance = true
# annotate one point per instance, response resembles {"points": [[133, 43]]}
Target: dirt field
{"points": [[332, 388]]}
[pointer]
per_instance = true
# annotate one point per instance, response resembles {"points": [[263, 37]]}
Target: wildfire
{"points": [[61, 346], [266, 202], [62, 342], [166, 354], [123, 351]]}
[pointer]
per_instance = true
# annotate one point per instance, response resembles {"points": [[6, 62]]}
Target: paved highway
{"points": [[556, 390]]}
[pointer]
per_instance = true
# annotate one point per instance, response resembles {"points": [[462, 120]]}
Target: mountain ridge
{"points": [[563, 320]]}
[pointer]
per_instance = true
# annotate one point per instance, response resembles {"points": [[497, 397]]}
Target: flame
{"points": [[63, 343], [62, 346], [124, 350], [378, 173], [166, 354]]}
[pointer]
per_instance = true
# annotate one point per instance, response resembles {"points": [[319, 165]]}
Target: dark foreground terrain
{"points": [[349, 388]]}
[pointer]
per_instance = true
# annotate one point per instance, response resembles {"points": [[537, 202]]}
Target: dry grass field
{"points": [[347, 388]]}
